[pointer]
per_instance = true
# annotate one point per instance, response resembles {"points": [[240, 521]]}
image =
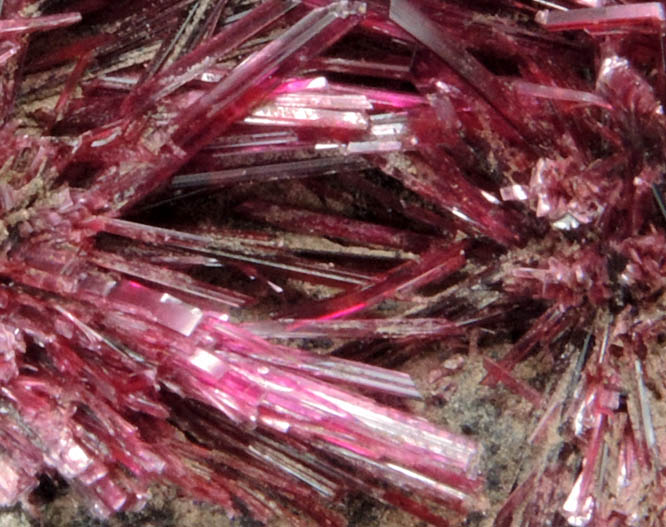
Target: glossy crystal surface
{"points": [[229, 232]]}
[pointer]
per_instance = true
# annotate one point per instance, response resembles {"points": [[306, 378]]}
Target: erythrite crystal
{"points": [[611, 17], [28, 25], [211, 210]]}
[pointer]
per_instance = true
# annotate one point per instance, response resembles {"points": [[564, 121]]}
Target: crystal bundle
{"points": [[227, 227]]}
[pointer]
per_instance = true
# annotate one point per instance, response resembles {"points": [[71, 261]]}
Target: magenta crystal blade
{"points": [[650, 14], [255, 77], [9, 27]]}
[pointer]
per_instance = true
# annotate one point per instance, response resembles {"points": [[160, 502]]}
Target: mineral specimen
{"points": [[223, 224]]}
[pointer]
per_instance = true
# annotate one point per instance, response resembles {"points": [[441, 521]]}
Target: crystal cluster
{"points": [[211, 210]]}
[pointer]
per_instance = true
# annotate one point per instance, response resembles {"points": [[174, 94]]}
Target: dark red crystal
{"points": [[211, 210]]}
